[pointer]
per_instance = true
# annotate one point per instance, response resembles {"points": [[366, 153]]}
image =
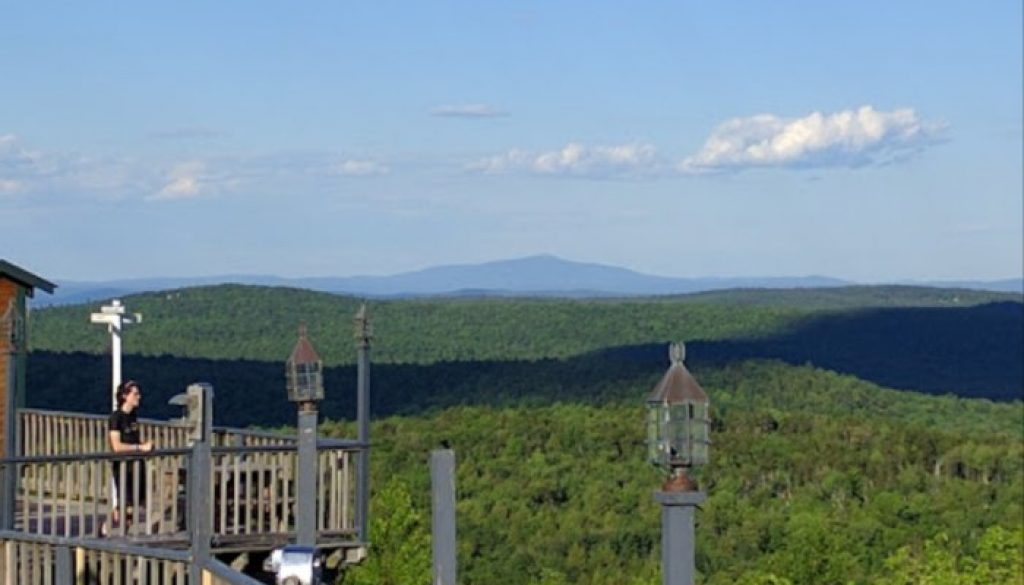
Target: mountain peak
{"points": [[538, 274]]}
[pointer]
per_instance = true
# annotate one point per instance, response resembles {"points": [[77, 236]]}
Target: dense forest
{"points": [[963, 342], [561, 494], [821, 472]]}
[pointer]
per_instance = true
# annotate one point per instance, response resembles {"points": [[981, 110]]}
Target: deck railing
{"points": [[83, 511], [252, 494], [49, 432], [74, 495], [40, 560], [254, 490]]}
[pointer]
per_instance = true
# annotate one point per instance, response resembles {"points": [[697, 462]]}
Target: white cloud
{"points": [[14, 157], [185, 181], [60, 176], [468, 111], [575, 159], [846, 138], [65, 174], [10, 160], [361, 168], [9, 186]]}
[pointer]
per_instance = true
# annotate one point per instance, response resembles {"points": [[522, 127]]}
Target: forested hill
{"points": [[818, 474], [933, 340]]}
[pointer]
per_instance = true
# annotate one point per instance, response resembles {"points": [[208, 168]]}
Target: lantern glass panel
{"points": [[305, 382], [679, 434], [700, 434], [655, 438]]}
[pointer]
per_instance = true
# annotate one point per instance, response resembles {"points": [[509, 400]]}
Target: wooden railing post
{"points": [[199, 480], [80, 569], [10, 563]]}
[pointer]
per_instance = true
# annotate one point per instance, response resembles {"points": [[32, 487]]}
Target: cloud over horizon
{"points": [[16, 161], [184, 181], [360, 168], [25, 172], [467, 111], [848, 138], [9, 186], [574, 159]]}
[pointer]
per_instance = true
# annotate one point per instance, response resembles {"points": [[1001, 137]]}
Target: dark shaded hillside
{"points": [[971, 352], [259, 323], [852, 297], [252, 392]]}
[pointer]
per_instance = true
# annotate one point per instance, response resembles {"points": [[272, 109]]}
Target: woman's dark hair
{"points": [[123, 389]]}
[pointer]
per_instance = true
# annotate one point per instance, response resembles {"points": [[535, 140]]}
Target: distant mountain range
{"points": [[543, 275]]}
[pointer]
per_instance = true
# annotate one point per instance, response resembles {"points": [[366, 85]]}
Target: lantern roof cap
{"points": [[303, 353], [677, 385]]}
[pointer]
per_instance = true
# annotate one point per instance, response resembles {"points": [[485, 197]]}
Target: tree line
{"points": [[969, 350]]}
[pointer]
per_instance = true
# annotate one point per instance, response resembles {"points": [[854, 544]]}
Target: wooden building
{"points": [[16, 286]]}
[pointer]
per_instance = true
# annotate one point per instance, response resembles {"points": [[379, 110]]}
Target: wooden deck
{"points": [[63, 501]]}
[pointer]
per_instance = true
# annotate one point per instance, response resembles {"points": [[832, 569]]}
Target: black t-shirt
{"points": [[133, 480], [126, 423]]}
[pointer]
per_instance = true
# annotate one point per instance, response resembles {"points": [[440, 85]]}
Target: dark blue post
{"points": [[442, 481], [677, 544], [200, 507], [364, 337], [305, 489], [64, 562]]}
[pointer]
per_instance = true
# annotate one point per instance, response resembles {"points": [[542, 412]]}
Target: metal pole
{"points": [[113, 317], [677, 540], [305, 494], [364, 336], [442, 481], [115, 360]]}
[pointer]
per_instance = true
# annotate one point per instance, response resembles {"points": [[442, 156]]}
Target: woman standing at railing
{"points": [[123, 434]]}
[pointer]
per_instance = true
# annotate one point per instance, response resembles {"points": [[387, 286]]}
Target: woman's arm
{"points": [[119, 447]]}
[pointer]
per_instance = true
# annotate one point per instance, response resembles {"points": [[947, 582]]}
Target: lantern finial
{"points": [[677, 352]]}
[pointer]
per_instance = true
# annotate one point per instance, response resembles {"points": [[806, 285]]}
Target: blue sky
{"points": [[874, 141]]}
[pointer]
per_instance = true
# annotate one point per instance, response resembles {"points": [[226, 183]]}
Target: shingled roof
{"points": [[25, 278], [303, 353], [677, 385]]}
